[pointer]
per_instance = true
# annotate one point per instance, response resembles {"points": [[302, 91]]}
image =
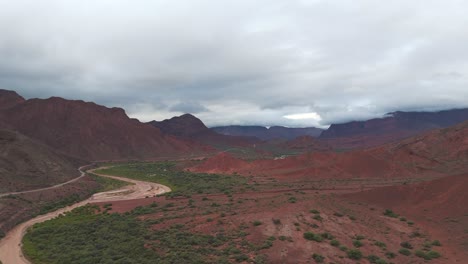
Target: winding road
{"points": [[11, 247]]}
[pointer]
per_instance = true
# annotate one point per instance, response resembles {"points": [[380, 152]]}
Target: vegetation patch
{"points": [[182, 183]]}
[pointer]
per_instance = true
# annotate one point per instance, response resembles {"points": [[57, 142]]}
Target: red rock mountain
{"points": [[393, 127], [188, 126], [91, 131], [264, 133]]}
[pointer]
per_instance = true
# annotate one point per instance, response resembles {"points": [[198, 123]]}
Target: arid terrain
{"points": [[388, 190]]}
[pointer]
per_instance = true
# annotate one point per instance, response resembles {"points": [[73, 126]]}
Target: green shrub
{"points": [[318, 258], [335, 243], [427, 255], [390, 255], [257, 223], [313, 211], [276, 221], [406, 244], [343, 248], [313, 237], [376, 259], [317, 217], [404, 251], [355, 254], [390, 213], [380, 244], [357, 243], [327, 235], [359, 237], [436, 243]]}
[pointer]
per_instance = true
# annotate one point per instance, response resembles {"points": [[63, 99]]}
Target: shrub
{"points": [[404, 251], [312, 236], [318, 258], [410, 223], [390, 255], [402, 219], [373, 258], [380, 244], [317, 217], [313, 211], [427, 255], [335, 243], [390, 213], [292, 199], [256, 223], [357, 243], [343, 248], [355, 254], [436, 243], [359, 237], [327, 235], [433, 254], [406, 244]]}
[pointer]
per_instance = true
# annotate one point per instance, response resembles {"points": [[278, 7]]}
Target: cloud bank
{"points": [[240, 62]]}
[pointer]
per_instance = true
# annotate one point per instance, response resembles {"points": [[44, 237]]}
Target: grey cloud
{"points": [[248, 62], [188, 107]]}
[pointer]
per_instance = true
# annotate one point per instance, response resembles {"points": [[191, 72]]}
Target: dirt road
{"points": [[10, 246]]}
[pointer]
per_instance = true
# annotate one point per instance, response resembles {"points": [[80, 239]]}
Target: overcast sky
{"points": [[294, 63]]}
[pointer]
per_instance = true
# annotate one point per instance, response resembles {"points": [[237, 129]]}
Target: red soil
{"points": [[439, 206]]}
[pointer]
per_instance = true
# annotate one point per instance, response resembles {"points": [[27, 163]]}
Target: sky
{"points": [[266, 62]]}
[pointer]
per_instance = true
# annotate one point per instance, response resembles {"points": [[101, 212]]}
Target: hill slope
{"points": [[26, 164]]}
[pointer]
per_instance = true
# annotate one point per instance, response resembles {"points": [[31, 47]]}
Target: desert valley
{"points": [[387, 190], [233, 132]]}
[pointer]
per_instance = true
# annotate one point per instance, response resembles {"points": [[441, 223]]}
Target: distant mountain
{"points": [[27, 164], [90, 131], [435, 153], [190, 127], [405, 123], [264, 133]]}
